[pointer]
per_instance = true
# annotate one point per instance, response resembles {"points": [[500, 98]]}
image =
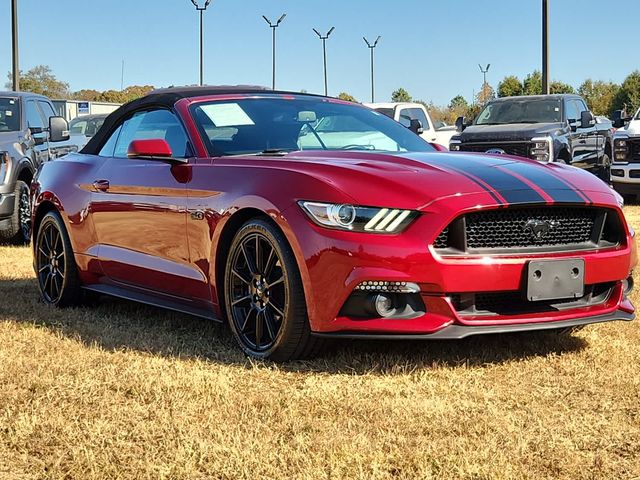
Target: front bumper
{"points": [[457, 332], [626, 178], [333, 263]]}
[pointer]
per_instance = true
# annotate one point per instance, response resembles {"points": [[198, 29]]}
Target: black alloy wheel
{"points": [[264, 298], [54, 263]]}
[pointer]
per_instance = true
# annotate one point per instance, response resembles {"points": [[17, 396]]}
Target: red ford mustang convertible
{"points": [[300, 217]]}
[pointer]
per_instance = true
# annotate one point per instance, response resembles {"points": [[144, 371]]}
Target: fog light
{"points": [[617, 172], [382, 305], [627, 285]]}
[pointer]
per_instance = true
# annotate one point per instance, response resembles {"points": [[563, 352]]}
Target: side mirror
{"points": [[58, 129], [618, 119], [415, 126], [461, 124], [152, 149], [587, 120]]}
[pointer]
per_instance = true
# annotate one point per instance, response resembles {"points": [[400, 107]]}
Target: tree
{"points": [[485, 94], [86, 94], [400, 95], [628, 97], [532, 83], [510, 86], [557, 86], [347, 97], [458, 102], [599, 96], [41, 80]]}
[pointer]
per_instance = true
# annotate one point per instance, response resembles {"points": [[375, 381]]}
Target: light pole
{"points": [[372, 47], [324, 54], [273, 28], [545, 47], [14, 42], [201, 10], [484, 82]]}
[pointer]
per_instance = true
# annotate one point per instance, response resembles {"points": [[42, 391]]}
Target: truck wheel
{"points": [[19, 231], [604, 171]]}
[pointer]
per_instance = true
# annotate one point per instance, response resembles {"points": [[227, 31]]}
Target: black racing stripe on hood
{"points": [[553, 186], [511, 188]]}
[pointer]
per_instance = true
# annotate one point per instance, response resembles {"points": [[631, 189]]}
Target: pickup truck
{"points": [[30, 133], [547, 128], [625, 171], [415, 117]]}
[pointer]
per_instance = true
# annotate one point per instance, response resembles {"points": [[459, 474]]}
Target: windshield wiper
{"points": [[276, 151]]}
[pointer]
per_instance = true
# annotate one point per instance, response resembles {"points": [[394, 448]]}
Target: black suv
{"points": [[30, 133], [547, 128]]}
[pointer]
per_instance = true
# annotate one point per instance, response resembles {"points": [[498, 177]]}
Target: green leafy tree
{"points": [[41, 80], [599, 95], [86, 94], [628, 97], [510, 86], [560, 87], [400, 95], [532, 83], [347, 97], [458, 102]]}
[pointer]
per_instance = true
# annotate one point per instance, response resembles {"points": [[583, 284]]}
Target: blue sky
{"points": [[431, 48]]}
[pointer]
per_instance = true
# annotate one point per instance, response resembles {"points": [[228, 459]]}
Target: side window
{"points": [[34, 119], [153, 124], [419, 114], [405, 117], [46, 109], [108, 148], [572, 111], [581, 107], [78, 127]]}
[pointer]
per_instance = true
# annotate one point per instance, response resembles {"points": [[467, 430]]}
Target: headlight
{"points": [[621, 149], [454, 145], [541, 149], [357, 218]]}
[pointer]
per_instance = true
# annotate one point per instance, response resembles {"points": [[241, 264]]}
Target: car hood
{"points": [[633, 128], [510, 132], [415, 180]]}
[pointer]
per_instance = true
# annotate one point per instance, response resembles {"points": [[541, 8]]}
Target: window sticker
{"points": [[227, 114]]}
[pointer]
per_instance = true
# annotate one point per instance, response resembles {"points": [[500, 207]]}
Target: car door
{"points": [[56, 149], [589, 138], [37, 127], [577, 139], [408, 114], [138, 207]]}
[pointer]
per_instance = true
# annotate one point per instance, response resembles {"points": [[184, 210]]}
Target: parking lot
{"points": [[131, 391]]}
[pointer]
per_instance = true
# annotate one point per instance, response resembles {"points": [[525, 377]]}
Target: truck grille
{"points": [[634, 149], [520, 149], [524, 229]]}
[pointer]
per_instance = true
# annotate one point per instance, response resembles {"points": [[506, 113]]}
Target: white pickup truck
{"points": [[406, 112], [625, 170]]}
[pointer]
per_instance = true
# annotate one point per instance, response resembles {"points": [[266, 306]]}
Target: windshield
{"points": [[276, 124], [86, 126], [521, 111], [9, 115]]}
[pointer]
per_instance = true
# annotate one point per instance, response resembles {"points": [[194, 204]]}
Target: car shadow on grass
{"points": [[114, 324]]}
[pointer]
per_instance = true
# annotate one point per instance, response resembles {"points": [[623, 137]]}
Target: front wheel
{"points": [[604, 171], [19, 230], [54, 263], [264, 297]]}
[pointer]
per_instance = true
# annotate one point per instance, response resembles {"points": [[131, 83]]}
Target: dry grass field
{"points": [[128, 391]]}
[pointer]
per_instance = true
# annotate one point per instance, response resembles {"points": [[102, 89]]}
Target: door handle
{"points": [[101, 185], [583, 141]]}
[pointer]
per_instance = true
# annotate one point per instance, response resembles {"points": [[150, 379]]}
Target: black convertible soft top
{"points": [[166, 97]]}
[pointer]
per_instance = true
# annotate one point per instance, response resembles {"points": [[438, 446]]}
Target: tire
{"points": [[55, 264], [19, 231], [264, 298], [604, 171]]}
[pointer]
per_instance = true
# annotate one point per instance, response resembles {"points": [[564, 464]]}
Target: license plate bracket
{"points": [[555, 279]]}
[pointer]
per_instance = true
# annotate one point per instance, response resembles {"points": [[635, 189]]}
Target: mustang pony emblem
{"points": [[538, 229], [496, 151]]}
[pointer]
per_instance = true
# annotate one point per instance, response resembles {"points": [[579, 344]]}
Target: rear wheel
{"points": [[264, 297], [55, 265]]}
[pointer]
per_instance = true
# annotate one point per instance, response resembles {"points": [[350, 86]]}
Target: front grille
{"points": [[634, 149], [524, 229], [514, 303], [520, 149]]}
